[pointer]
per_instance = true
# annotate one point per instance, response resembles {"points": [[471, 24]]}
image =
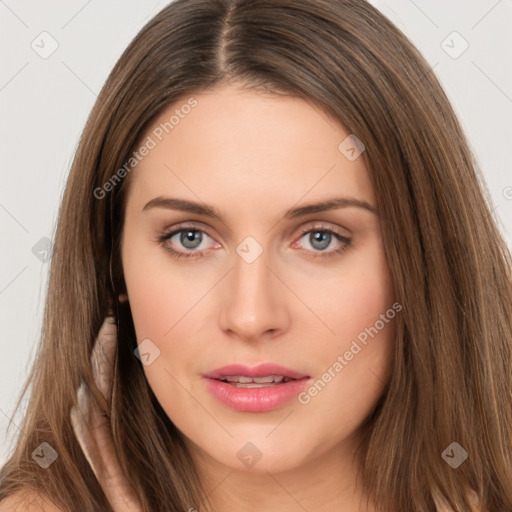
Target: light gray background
{"points": [[44, 103]]}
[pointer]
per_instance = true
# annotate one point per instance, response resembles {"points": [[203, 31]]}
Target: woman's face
{"points": [[264, 282]]}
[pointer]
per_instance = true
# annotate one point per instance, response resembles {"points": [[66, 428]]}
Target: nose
{"points": [[254, 301]]}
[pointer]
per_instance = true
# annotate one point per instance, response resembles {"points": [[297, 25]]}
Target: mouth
{"points": [[266, 371], [241, 381], [255, 389]]}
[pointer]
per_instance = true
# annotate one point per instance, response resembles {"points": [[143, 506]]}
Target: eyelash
{"points": [[165, 236]]}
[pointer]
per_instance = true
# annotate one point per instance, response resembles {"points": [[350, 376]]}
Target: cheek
{"points": [[168, 305], [162, 303], [351, 299], [161, 294], [353, 361]]}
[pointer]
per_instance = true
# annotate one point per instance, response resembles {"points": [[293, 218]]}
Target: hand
{"points": [[93, 429]]}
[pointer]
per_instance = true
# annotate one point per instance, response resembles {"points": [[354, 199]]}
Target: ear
{"points": [[119, 292]]}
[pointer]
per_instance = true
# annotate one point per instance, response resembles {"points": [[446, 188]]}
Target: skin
{"points": [[252, 156]]}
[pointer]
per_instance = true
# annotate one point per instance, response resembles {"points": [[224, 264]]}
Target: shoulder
{"points": [[28, 501]]}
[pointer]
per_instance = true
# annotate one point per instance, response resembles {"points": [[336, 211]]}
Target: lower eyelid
{"points": [[168, 236], [197, 253], [336, 235]]}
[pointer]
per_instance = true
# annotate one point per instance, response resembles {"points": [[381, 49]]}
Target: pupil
{"points": [[322, 237], [189, 239]]}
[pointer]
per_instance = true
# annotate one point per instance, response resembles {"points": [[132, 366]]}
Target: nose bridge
{"points": [[251, 278], [252, 305], [250, 266]]}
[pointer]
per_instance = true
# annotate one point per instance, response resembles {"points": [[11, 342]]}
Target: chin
{"points": [[259, 455]]}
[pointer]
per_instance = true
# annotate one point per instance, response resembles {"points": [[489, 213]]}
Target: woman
{"points": [[276, 231]]}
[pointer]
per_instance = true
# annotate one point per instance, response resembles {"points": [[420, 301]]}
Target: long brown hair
{"points": [[450, 267]]}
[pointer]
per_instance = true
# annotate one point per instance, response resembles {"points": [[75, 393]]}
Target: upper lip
{"points": [[261, 370]]}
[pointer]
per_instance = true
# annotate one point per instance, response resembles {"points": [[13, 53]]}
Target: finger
{"points": [[93, 432], [103, 356], [85, 421], [92, 426]]}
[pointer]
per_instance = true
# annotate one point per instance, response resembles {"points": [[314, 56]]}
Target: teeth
{"points": [[236, 378], [240, 379], [254, 385], [263, 380]]}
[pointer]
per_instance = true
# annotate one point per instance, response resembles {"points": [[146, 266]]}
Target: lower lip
{"points": [[255, 399]]}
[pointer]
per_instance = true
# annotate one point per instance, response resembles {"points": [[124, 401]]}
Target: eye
{"points": [[189, 240], [188, 237], [320, 238]]}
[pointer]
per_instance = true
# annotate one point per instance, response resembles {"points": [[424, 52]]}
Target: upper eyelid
{"points": [[309, 226], [186, 225]]}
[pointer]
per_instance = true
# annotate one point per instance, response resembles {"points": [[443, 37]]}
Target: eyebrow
{"points": [[209, 211]]}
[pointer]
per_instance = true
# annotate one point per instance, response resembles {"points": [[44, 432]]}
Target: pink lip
{"points": [[261, 370], [255, 399]]}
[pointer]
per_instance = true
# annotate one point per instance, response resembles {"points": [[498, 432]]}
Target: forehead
{"points": [[247, 147]]}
